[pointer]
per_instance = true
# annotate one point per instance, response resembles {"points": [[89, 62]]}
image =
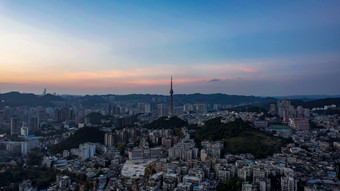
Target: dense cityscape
{"points": [[171, 95], [159, 145]]}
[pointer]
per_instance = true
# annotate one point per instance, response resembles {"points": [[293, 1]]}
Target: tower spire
{"points": [[171, 101]]}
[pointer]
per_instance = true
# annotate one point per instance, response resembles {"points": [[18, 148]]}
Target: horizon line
{"points": [[277, 96]]}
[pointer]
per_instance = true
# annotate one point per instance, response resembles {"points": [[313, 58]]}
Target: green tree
{"points": [[233, 184], [121, 147], [34, 158], [83, 135], [220, 187]]}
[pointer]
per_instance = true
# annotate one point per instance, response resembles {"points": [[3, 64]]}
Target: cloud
{"points": [[214, 80], [247, 69]]}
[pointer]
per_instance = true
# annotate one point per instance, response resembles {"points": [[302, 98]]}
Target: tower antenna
{"points": [[171, 100]]}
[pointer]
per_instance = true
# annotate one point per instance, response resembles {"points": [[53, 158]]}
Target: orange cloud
{"points": [[246, 69], [124, 77]]}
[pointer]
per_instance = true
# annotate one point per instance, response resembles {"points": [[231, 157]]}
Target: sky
{"points": [[263, 48]]}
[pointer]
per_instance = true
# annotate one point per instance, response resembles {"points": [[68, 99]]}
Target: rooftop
{"points": [[135, 168]]}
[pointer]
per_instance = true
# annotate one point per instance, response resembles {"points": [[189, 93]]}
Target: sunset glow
{"points": [[84, 47]]}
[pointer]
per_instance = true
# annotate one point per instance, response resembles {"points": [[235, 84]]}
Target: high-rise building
{"points": [[299, 124], [200, 108], [33, 124], [306, 113], [26, 146], [144, 108], [110, 139], [24, 131], [285, 116], [265, 184], [42, 114], [188, 108], [15, 126], [163, 109], [282, 106], [288, 184], [72, 115], [63, 181], [87, 150], [14, 147], [299, 111], [169, 181], [147, 108], [61, 114], [2, 117], [272, 109]]}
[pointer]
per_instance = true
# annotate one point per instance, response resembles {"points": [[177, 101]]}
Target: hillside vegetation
{"points": [[19, 99], [95, 118], [317, 103], [16, 99], [166, 123], [40, 177], [83, 135], [239, 138]]}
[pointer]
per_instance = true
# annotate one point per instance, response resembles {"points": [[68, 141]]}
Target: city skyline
{"points": [[241, 48]]}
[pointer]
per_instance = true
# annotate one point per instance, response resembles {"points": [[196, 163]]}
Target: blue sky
{"points": [[234, 47]]}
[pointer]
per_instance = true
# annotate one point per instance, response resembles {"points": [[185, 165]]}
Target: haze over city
{"points": [[169, 95], [120, 47]]}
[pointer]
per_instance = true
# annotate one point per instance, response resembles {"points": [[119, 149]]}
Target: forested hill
{"points": [[239, 138], [318, 102], [83, 135], [180, 99], [16, 99], [19, 99], [166, 123]]}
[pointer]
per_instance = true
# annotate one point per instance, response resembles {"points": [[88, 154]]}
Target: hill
{"points": [[252, 108], [306, 103], [321, 102], [166, 123], [19, 99], [316, 103], [83, 135], [223, 99], [180, 99], [16, 99], [89, 101], [95, 118], [239, 138], [307, 97]]}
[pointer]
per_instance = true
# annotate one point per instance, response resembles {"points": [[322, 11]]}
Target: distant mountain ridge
{"points": [[18, 99], [180, 99], [15, 99], [29, 99], [307, 97], [317, 103]]}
